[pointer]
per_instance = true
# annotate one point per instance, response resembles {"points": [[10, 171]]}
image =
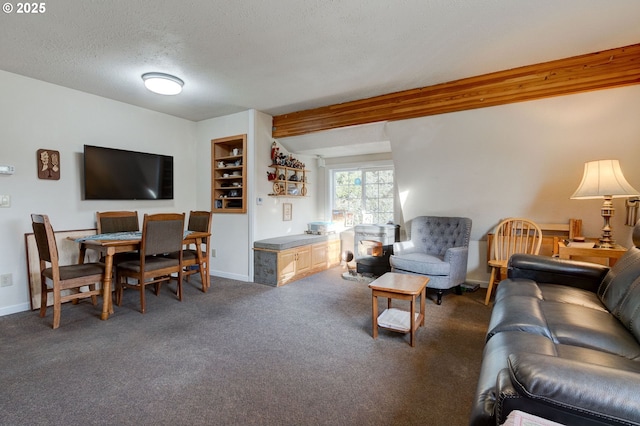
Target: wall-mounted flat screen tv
{"points": [[116, 174]]}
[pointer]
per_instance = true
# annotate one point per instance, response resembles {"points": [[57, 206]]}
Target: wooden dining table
{"points": [[109, 245]]}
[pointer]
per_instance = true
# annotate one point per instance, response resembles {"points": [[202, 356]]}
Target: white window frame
{"points": [[371, 166]]}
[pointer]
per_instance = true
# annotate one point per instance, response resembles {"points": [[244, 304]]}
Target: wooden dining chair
{"points": [[63, 282], [162, 234], [110, 222], [512, 235], [198, 221], [117, 221]]}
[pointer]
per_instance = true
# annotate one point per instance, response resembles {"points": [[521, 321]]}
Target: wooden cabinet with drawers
{"points": [[277, 263]]}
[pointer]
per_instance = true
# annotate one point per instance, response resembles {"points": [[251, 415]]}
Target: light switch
{"points": [[5, 200], [7, 169]]}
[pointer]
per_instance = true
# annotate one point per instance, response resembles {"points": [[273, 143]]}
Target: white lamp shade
{"points": [[163, 84], [603, 178]]}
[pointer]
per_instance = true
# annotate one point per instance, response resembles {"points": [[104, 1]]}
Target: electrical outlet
{"points": [[213, 252], [6, 280], [5, 200]]}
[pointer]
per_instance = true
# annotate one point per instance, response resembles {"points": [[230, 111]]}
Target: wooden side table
{"points": [[610, 256], [393, 285]]}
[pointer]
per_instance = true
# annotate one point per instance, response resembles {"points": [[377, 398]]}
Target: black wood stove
{"points": [[373, 246]]}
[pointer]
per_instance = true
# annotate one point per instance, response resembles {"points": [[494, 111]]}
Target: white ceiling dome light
{"points": [[163, 84]]}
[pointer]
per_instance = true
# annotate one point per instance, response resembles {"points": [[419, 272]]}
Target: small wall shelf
{"points": [[289, 181], [229, 174]]}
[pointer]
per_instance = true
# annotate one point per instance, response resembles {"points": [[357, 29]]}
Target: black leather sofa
{"points": [[562, 343]]}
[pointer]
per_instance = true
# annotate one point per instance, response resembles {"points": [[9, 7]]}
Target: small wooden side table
{"points": [[393, 285], [611, 255]]}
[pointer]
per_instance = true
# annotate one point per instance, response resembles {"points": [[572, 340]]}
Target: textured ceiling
{"points": [[282, 56]]}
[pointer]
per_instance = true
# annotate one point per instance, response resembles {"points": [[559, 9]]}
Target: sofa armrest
{"points": [[543, 269], [404, 247], [568, 391], [457, 258]]}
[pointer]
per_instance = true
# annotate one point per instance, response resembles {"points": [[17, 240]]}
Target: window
{"points": [[367, 194]]}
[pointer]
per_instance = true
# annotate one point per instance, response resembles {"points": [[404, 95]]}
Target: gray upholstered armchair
{"points": [[438, 248]]}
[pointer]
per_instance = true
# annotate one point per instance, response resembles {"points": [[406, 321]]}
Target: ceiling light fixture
{"points": [[163, 84]]}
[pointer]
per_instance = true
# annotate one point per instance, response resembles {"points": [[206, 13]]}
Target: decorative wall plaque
{"points": [[287, 211], [48, 164]]}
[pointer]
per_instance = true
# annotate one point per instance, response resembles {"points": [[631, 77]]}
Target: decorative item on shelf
{"points": [[48, 164], [604, 179], [274, 152], [288, 175], [285, 160]]}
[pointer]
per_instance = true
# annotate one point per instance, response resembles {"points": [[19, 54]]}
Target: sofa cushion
{"points": [[570, 295], [574, 318], [421, 263], [616, 283], [549, 292], [585, 393], [523, 287], [589, 328], [518, 313], [628, 311]]}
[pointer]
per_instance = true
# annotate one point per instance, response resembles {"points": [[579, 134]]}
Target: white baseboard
{"points": [[8, 310], [222, 274]]}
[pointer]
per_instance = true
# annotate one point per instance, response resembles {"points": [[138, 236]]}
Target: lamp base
{"points": [[607, 211]]}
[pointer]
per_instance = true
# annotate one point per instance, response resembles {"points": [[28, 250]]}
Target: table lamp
{"points": [[604, 179]]}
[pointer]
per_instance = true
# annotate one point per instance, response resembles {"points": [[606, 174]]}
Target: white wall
{"points": [[34, 115], [233, 234], [229, 232], [523, 159], [269, 221]]}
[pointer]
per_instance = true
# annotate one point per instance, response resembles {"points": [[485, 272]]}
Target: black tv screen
{"points": [[116, 174]]}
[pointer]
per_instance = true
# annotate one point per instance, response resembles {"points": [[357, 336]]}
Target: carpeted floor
{"points": [[242, 354]]}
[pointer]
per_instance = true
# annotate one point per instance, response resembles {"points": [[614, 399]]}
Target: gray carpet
{"points": [[242, 354]]}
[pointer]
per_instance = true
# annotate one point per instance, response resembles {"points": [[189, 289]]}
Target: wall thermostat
{"points": [[7, 170]]}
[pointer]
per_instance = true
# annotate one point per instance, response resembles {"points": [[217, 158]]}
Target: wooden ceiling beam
{"points": [[593, 71]]}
